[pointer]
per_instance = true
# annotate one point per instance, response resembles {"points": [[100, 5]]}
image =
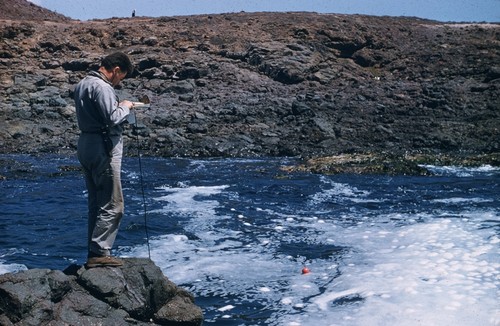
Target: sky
{"points": [[440, 10]]}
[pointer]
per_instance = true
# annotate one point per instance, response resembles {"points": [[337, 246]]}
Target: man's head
{"points": [[117, 65]]}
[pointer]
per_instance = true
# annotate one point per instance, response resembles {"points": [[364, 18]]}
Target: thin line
{"points": [[142, 189]]}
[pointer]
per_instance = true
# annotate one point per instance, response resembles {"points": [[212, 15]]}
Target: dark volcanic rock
{"points": [[134, 294], [265, 84]]}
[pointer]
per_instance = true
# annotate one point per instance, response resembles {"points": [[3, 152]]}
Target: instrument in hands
{"points": [[144, 102]]}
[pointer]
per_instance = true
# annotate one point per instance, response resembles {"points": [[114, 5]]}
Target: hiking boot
{"points": [[103, 261]]}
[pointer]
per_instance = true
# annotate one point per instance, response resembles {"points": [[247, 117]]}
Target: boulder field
{"points": [[300, 84]]}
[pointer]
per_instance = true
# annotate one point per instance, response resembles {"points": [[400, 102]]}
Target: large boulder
{"points": [[136, 293]]}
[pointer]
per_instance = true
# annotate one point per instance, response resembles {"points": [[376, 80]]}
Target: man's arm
{"points": [[113, 112]]}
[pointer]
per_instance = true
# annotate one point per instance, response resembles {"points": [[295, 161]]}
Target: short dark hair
{"points": [[118, 59]]}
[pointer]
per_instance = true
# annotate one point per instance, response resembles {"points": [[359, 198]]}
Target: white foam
{"points": [[324, 300], [462, 171], [190, 199], [459, 200], [441, 272], [11, 268], [226, 308], [338, 192]]}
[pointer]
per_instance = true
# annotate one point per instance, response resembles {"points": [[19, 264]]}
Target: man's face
{"points": [[117, 76]]}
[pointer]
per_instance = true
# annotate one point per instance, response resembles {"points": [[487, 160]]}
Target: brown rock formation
{"points": [[25, 10], [263, 84]]}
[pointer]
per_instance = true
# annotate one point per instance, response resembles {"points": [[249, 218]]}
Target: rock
{"points": [[361, 164], [177, 311], [325, 85], [152, 73], [493, 74], [151, 41], [77, 64], [134, 294], [197, 127], [300, 108], [148, 63], [386, 163], [182, 87], [67, 112], [189, 73]]}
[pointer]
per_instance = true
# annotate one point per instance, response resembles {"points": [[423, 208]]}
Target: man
{"points": [[100, 146]]}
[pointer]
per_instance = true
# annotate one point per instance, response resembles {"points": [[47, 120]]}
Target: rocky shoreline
{"points": [[134, 294], [346, 93], [264, 84], [388, 163]]}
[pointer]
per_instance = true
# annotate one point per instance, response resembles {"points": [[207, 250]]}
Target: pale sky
{"points": [[441, 10]]}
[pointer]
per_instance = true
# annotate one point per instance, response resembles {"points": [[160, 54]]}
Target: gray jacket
{"points": [[97, 106]]}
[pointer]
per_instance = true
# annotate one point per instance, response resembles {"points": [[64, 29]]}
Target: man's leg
{"points": [[92, 204], [110, 208]]}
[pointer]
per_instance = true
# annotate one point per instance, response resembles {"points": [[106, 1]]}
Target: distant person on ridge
{"points": [[100, 147]]}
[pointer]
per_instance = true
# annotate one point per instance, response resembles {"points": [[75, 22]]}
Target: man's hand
{"points": [[127, 104]]}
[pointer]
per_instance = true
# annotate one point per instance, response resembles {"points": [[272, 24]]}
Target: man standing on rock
{"points": [[100, 146]]}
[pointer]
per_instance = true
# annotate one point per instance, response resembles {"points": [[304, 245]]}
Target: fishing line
{"points": [[142, 184]]}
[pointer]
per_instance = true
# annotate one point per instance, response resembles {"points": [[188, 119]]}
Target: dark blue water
{"points": [[382, 250]]}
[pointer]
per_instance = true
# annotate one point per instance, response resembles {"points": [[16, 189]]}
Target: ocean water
{"points": [[381, 250]]}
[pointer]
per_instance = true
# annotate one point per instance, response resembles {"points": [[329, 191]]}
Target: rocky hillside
{"points": [[25, 10], [262, 84]]}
